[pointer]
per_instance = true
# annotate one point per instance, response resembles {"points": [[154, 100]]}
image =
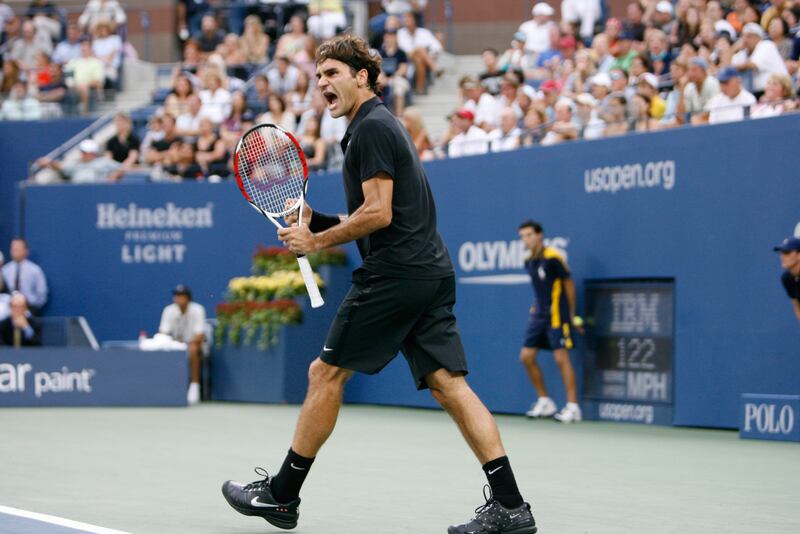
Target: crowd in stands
{"points": [[662, 66], [585, 76], [245, 64], [51, 67]]}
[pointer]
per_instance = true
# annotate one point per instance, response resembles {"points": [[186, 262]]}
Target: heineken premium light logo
{"points": [[153, 235]]}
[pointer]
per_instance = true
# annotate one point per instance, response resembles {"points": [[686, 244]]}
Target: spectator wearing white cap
{"points": [[469, 139], [541, 31], [507, 136], [730, 103], [698, 92], [91, 168], [600, 88], [590, 125], [660, 15], [581, 15], [757, 55]]}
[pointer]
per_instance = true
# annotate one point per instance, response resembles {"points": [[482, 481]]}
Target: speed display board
{"points": [[628, 367]]}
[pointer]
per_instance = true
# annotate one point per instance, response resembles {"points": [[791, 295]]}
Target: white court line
{"points": [[60, 521]]}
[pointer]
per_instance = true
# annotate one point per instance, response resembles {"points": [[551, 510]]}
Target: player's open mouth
{"points": [[331, 98]]}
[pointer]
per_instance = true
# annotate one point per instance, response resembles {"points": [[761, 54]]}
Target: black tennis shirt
{"points": [[410, 247]]}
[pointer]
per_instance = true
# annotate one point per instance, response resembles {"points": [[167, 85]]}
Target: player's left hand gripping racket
{"points": [[272, 174]]}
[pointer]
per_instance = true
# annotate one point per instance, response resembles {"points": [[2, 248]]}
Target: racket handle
{"points": [[311, 283]]}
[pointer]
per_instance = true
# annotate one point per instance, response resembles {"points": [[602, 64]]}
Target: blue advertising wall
{"points": [[83, 377], [21, 143], [702, 206]]}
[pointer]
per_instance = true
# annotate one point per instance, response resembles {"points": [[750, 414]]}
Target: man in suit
{"points": [[22, 275], [21, 328]]}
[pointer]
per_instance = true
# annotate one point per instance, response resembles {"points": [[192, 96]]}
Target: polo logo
{"points": [[768, 418]]}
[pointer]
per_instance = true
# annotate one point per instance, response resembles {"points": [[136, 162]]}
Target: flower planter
{"points": [[279, 374]]}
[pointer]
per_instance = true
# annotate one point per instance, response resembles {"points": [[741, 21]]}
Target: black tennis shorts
{"points": [[381, 316]]}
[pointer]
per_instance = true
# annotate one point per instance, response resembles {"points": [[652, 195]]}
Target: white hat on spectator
{"points": [[529, 91], [754, 28], [543, 9], [664, 6], [650, 79], [586, 99], [88, 146], [566, 101], [601, 78], [723, 25]]}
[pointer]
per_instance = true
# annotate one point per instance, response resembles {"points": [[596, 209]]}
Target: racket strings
{"points": [[271, 170]]}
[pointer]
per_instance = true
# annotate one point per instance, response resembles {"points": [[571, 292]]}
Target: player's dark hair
{"points": [[356, 53], [532, 224], [20, 238], [491, 50]]}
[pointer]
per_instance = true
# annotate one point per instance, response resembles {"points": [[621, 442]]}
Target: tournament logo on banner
{"points": [[153, 235], [491, 256]]}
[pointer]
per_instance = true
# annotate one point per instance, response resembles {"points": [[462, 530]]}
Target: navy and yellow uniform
{"points": [[549, 323], [791, 284]]}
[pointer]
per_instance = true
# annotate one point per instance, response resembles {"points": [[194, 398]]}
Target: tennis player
{"points": [[790, 261], [401, 299], [549, 322]]}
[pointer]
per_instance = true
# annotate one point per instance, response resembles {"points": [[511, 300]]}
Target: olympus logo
{"points": [[113, 217], [632, 176], [483, 256], [501, 255], [767, 419]]}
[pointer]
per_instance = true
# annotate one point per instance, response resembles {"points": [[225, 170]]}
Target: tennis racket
{"points": [[272, 174]]}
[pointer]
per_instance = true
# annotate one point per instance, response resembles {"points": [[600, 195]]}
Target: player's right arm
{"points": [[796, 306], [373, 214]]}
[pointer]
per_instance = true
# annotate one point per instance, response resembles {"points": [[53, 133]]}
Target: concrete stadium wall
{"points": [[702, 206]]}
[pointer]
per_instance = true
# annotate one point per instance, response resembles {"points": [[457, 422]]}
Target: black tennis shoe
{"points": [[494, 518], [256, 499]]}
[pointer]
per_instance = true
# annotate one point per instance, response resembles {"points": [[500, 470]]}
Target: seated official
{"points": [[21, 328], [185, 321]]}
